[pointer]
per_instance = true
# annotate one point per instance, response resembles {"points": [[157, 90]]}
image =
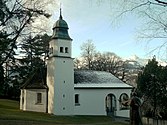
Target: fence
{"points": [[151, 121]]}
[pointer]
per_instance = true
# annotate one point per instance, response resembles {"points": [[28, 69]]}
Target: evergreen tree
{"points": [[1, 81], [151, 84], [16, 18], [34, 50]]}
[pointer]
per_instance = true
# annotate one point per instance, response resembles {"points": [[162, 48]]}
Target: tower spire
{"points": [[60, 28], [60, 13]]}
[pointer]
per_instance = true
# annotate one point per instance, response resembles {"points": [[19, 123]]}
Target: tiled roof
{"points": [[36, 81], [102, 86], [82, 79], [97, 79], [89, 76]]}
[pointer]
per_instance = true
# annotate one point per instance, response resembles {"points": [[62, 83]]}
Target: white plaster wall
{"points": [[60, 79], [92, 101], [63, 86], [56, 44], [23, 100], [30, 99], [50, 84], [21, 97]]}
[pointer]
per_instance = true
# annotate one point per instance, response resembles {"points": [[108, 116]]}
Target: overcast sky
{"points": [[89, 20]]}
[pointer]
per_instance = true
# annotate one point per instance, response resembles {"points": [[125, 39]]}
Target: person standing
{"points": [[135, 114]]}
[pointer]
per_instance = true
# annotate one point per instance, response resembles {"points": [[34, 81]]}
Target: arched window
{"points": [[61, 49], [124, 101], [66, 49], [110, 102]]}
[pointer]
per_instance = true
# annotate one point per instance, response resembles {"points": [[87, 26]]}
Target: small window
{"points": [[23, 100], [77, 99], [61, 49], [39, 97], [22, 97], [66, 50]]}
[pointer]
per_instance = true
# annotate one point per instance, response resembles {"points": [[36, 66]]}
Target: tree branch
{"points": [[161, 2], [14, 40]]}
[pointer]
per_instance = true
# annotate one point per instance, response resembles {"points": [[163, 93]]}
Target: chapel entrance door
{"points": [[110, 104]]}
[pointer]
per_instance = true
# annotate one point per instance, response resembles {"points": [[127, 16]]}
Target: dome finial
{"points": [[60, 13]]}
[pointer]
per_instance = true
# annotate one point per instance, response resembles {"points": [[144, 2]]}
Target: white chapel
{"points": [[65, 91]]}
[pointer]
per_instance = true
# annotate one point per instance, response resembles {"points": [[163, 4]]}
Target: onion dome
{"points": [[60, 29]]}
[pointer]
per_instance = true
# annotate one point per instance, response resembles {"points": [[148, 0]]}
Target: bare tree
{"points": [[152, 14], [16, 19], [125, 70], [77, 63], [129, 71], [108, 61], [88, 50]]}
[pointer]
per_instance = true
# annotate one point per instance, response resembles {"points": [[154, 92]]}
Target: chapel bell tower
{"points": [[60, 71]]}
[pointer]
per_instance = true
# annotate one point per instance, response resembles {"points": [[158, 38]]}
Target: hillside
{"points": [[133, 65], [11, 115]]}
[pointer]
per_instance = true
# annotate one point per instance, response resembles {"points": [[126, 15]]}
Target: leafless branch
{"points": [[161, 2]]}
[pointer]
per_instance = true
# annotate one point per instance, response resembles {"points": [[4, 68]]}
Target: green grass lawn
{"points": [[11, 115]]}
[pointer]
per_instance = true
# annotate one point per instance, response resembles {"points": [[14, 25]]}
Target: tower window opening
{"points": [[61, 49], [66, 49]]}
